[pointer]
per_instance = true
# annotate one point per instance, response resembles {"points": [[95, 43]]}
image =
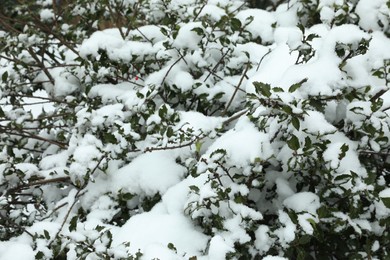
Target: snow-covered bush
{"points": [[195, 129]]}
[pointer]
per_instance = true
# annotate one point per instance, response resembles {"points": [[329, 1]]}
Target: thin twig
{"points": [[262, 58], [200, 10], [236, 89], [151, 149], [37, 183], [25, 134], [66, 216], [169, 70], [234, 117], [216, 65], [77, 195]]}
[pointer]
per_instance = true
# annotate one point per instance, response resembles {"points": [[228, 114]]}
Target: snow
{"points": [[46, 14], [385, 193], [273, 67], [15, 250], [34, 103], [263, 241], [350, 162], [315, 122], [303, 201], [289, 35], [218, 248], [148, 32], [286, 233], [110, 93], [149, 173], [117, 48], [187, 38], [369, 12], [153, 231], [245, 138], [212, 11], [274, 258], [183, 80], [261, 25]]}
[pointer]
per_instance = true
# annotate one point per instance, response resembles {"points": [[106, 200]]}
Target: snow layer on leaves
{"points": [[274, 258], [303, 201], [16, 250], [148, 32], [198, 122], [247, 139], [110, 93], [219, 248], [212, 11], [261, 26], [370, 11], [65, 83], [385, 193], [263, 241], [148, 174], [153, 231], [117, 48], [187, 37], [273, 66], [286, 232], [315, 122]]}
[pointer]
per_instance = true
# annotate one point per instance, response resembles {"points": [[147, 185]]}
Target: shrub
{"points": [[163, 128]]}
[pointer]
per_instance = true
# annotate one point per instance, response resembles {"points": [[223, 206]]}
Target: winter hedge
{"points": [[195, 129]]}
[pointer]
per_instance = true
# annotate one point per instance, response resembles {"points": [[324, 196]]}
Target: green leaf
{"points": [[296, 86], [262, 88], [370, 129], [386, 201], [379, 74], [295, 122], [199, 31], [287, 109], [170, 132], [382, 139], [239, 199], [236, 24], [46, 234], [39, 255], [308, 143], [301, 253], [109, 138], [277, 89], [198, 146], [293, 143], [376, 105], [311, 36], [343, 177], [323, 212], [301, 27], [304, 239], [162, 112], [127, 196], [4, 77], [219, 95], [99, 228], [194, 188], [344, 149], [2, 114], [73, 223], [172, 247]]}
